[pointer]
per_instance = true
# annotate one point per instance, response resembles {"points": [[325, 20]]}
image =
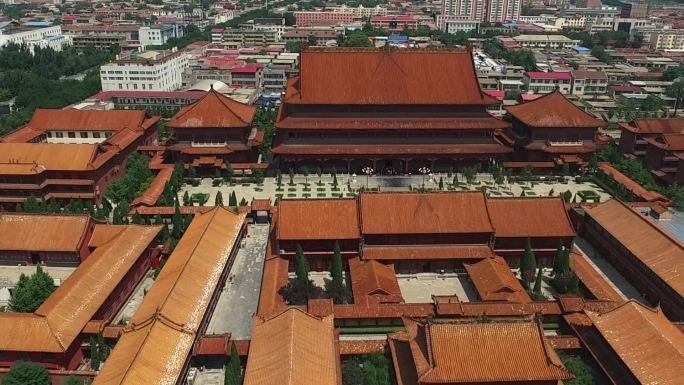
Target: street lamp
{"points": [[368, 170], [424, 170]]}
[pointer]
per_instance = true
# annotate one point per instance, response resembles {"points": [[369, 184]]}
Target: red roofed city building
{"points": [[387, 109], [213, 132], [394, 23], [70, 154]]}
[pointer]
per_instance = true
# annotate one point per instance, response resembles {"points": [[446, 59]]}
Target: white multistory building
{"points": [[145, 71], [482, 10], [33, 34], [360, 11]]}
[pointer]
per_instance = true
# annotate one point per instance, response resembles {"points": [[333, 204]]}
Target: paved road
{"points": [[240, 297], [607, 271]]}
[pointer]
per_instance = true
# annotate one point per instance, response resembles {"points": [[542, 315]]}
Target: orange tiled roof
{"points": [[655, 126], [151, 194], [34, 158], [213, 110], [481, 352], [293, 348], [412, 252], [61, 318], [324, 219], [655, 248], [487, 122], [38, 232], [649, 344], [593, 281], [387, 76], [631, 185], [160, 336], [529, 217], [421, 213], [553, 110], [373, 281], [495, 281], [405, 149], [215, 344]]}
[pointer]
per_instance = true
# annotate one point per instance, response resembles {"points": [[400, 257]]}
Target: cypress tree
{"points": [[186, 199], [234, 369], [558, 259], [301, 265], [441, 183], [334, 181], [177, 222], [232, 199], [94, 354], [31, 205], [137, 219], [538, 282], [565, 262], [291, 176], [528, 266], [336, 266], [218, 201], [279, 178], [573, 285]]}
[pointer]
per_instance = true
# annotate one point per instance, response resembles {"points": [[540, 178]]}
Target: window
{"points": [[108, 134], [49, 134], [71, 134], [84, 134], [96, 134], [59, 134]]}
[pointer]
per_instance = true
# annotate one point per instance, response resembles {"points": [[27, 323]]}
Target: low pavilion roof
{"points": [[553, 110], [333, 219], [373, 281], [538, 217], [160, 336], [60, 319], [656, 126], [293, 348], [495, 281], [649, 344], [424, 213], [38, 232], [657, 249], [469, 352]]}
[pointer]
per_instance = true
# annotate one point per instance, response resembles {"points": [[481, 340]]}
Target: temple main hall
{"points": [[396, 111]]}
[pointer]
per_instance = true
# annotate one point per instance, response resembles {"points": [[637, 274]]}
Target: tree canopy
{"points": [[26, 373], [31, 291]]}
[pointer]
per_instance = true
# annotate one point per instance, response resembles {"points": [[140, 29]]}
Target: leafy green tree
{"points": [[176, 222], [652, 103], [301, 265], [528, 265], [352, 371], [32, 291], [94, 354], [243, 202], [357, 39], [279, 178], [585, 374], [232, 199], [137, 219], [218, 201], [441, 183], [297, 292], [376, 370], [73, 380], [31, 205], [26, 373], [573, 284], [291, 176]]}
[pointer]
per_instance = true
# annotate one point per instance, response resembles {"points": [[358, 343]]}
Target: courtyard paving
{"points": [[419, 288], [129, 309], [348, 185], [238, 301]]}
